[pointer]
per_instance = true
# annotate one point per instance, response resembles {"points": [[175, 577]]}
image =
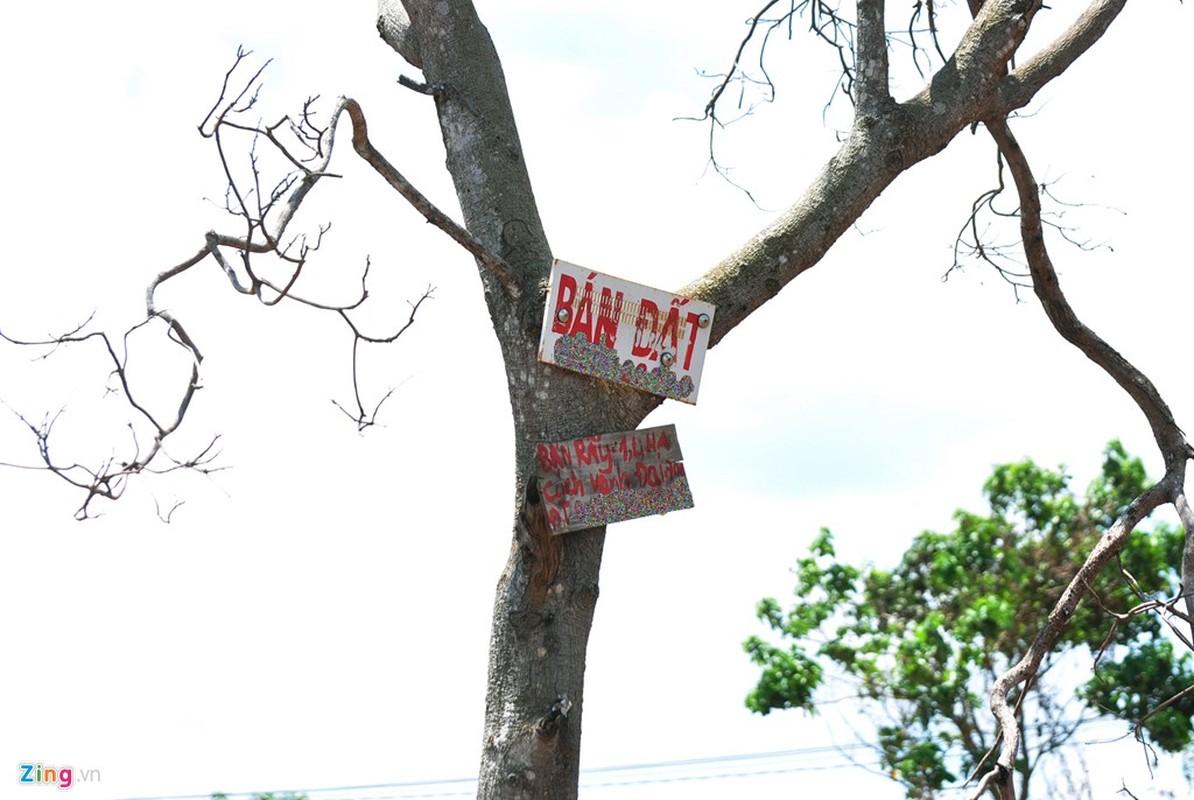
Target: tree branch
{"points": [[1175, 451], [1169, 438], [871, 57], [878, 150], [365, 149], [1186, 515], [1018, 88], [266, 214]]}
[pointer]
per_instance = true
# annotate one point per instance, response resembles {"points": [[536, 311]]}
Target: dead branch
{"points": [[365, 149], [265, 209], [1170, 440], [979, 237], [1138, 730], [110, 478], [825, 22], [926, 8], [361, 418]]}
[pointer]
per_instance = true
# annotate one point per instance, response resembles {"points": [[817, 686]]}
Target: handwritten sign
{"points": [[609, 328], [614, 477]]}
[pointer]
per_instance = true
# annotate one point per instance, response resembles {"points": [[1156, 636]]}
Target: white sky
{"points": [[318, 615]]}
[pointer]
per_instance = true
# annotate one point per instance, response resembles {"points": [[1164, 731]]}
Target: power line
{"points": [[670, 771]]}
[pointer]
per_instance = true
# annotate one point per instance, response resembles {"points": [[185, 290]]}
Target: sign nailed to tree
{"points": [[609, 328], [614, 477]]}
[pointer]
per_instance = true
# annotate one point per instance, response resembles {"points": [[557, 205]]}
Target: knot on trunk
{"points": [[550, 724]]}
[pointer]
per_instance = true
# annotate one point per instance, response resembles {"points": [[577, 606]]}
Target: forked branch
{"points": [[265, 210], [1175, 451]]}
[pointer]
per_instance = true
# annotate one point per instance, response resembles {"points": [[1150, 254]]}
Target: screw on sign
{"points": [[598, 480], [620, 331]]}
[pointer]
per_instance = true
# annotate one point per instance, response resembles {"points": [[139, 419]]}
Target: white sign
{"points": [[609, 328]]}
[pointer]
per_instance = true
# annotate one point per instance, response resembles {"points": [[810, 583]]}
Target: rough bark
{"points": [[546, 595]]}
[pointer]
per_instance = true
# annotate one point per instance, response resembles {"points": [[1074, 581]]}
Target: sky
{"points": [[317, 614]]}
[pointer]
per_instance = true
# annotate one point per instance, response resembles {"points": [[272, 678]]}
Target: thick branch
{"points": [[1018, 88], [881, 146], [871, 57]]}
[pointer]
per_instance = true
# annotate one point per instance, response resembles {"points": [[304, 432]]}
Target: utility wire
{"points": [[688, 769]]}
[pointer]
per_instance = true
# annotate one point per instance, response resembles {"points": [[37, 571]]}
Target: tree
{"points": [[923, 642], [546, 596]]}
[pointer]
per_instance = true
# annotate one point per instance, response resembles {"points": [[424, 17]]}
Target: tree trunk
{"points": [[543, 609]]}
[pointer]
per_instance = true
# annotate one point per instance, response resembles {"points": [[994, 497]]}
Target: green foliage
{"points": [[923, 641], [265, 796]]}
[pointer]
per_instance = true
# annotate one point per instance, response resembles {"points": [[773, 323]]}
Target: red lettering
{"points": [[582, 322], [692, 326], [574, 487], [651, 475], [593, 451], [609, 310], [671, 329], [552, 492], [646, 474], [632, 449], [552, 458], [606, 485], [644, 343]]}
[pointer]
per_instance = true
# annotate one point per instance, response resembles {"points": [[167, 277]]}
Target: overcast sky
{"points": [[317, 615]]}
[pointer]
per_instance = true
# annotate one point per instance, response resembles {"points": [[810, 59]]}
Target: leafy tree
{"points": [[970, 67], [924, 642]]}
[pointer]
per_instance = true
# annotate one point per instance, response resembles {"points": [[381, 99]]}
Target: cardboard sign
{"points": [[597, 480], [609, 328]]}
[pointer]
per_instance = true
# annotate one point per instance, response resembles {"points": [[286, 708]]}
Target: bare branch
{"points": [[365, 149], [361, 418], [1166, 432], [266, 208], [824, 22], [981, 234], [1175, 450], [927, 8]]}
